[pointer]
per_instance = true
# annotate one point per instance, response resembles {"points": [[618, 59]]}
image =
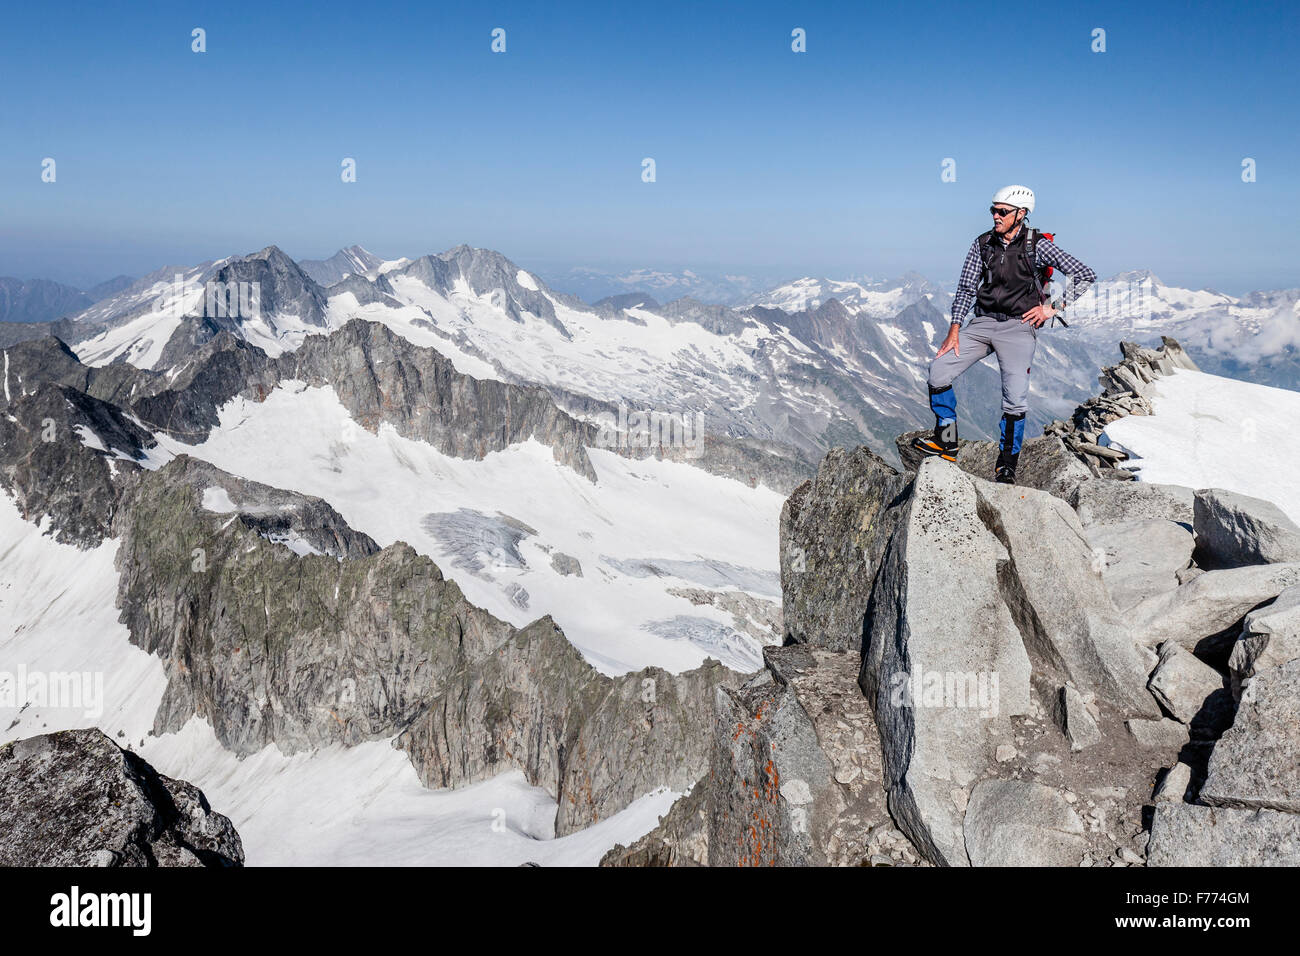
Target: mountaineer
{"points": [[1006, 274]]}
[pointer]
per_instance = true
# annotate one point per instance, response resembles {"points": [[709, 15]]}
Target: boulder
{"points": [[566, 564], [833, 531], [1209, 603], [1256, 763], [1174, 784], [1075, 720], [1185, 834], [771, 779], [1176, 355], [1140, 559], [77, 799], [796, 776], [1193, 691], [1020, 823], [1236, 530], [1059, 600], [1163, 734], [1111, 502], [1270, 636], [937, 630]]}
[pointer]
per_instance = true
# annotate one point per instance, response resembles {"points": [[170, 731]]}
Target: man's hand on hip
{"points": [[1038, 315], [951, 341]]}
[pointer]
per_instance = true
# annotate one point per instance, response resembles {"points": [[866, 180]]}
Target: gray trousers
{"points": [[1013, 341]]}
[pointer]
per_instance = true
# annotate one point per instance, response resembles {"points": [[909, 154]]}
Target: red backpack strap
{"points": [[1048, 270]]}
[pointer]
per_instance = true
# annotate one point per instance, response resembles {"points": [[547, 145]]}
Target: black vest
{"points": [[1010, 284]]}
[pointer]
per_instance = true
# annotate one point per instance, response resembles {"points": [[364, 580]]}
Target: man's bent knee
{"points": [[941, 375]]}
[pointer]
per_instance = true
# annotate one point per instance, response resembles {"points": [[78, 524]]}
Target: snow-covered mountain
{"points": [[873, 297], [1255, 337], [354, 260], [723, 288]]}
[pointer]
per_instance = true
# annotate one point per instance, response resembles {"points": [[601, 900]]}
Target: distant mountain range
{"points": [[591, 284], [804, 366], [41, 300]]}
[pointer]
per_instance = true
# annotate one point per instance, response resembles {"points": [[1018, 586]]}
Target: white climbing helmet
{"points": [[1021, 196]]}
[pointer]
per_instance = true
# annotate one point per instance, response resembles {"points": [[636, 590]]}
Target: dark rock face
{"points": [[485, 272], [76, 799], [596, 743], [381, 377], [282, 289], [274, 647], [680, 839], [834, 530], [51, 471], [184, 402]]}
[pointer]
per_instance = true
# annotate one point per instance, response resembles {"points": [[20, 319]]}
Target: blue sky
{"points": [[768, 161]]}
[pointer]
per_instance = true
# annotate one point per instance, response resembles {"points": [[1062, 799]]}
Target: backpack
{"points": [[1027, 252]]}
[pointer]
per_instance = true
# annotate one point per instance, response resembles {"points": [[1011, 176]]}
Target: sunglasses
{"points": [[1001, 212]]}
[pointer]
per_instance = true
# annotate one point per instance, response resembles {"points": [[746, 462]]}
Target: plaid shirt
{"points": [[1045, 254]]}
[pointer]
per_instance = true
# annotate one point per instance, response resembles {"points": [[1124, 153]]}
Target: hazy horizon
{"points": [[768, 162]]}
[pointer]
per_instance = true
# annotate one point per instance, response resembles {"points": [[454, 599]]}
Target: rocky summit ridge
{"points": [[1082, 670]]}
